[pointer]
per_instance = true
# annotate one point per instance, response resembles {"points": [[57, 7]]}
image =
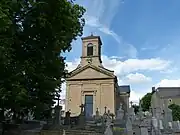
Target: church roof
{"points": [[78, 70], [124, 89], [106, 69], [92, 37]]}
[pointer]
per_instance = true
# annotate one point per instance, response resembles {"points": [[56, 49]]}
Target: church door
{"points": [[89, 106]]}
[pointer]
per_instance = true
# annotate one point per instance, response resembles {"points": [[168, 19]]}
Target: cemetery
{"points": [[34, 37], [155, 122], [97, 113]]}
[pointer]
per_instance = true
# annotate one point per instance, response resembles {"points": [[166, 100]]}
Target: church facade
{"points": [[92, 84]]}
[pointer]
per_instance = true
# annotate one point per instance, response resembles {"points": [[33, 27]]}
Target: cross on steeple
{"points": [[91, 33]]}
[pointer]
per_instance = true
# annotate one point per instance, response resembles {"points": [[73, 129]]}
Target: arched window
{"points": [[90, 49]]}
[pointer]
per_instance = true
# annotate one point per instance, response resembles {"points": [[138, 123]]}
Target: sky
{"points": [[141, 41]]}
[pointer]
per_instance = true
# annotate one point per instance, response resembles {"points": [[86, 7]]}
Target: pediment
{"points": [[90, 72]]}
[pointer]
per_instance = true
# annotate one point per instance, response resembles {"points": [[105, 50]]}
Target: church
{"points": [[93, 85]]}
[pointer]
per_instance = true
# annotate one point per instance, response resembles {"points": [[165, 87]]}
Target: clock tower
{"points": [[91, 51]]}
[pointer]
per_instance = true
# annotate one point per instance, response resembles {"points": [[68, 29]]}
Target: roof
{"points": [[124, 89], [167, 92], [106, 69], [78, 70], [92, 37]]}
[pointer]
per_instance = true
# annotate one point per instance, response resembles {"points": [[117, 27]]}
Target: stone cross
{"points": [[120, 113], [131, 103], [97, 112], [58, 99], [105, 109], [82, 107]]}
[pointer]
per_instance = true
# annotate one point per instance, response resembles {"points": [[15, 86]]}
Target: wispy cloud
{"points": [[100, 15]]}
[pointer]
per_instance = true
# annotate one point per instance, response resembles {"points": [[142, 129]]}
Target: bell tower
{"points": [[91, 51]]}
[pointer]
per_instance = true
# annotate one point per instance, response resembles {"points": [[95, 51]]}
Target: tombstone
{"points": [[82, 118], [129, 126], [144, 131], [154, 122], [67, 120], [58, 108], [120, 113], [167, 116], [176, 126], [108, 130], [161, 125], [97, 117], [105, 115]]}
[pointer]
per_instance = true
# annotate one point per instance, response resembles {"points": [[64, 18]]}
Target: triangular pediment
{"points": [[90, 72]]}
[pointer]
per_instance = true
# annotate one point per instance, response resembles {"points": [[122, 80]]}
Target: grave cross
{"points": [[105, 109], [58, 99], [131, 103], [82, 107]]}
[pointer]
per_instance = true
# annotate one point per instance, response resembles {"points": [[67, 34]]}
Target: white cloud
{"points": [[137, 78], [132, 65], [168, 83], [126, 68], [135, 96], [99, 15]]}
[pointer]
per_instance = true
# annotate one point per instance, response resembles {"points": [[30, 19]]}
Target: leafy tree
{"points": [[136, 108], [175, 111], [33, 36], [146, 102]]}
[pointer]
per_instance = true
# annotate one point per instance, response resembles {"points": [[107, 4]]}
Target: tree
{"points": [[146, 102], [175, 111], [136, 108], [33, 35]]}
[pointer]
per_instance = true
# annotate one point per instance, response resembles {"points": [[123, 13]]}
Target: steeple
{"points": [[91, 50]]}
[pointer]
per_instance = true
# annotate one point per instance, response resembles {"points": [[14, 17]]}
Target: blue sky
{"points": [[141, 41]]}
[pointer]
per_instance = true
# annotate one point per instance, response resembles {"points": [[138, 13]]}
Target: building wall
{"points": [[173, 100], [102, 91]]}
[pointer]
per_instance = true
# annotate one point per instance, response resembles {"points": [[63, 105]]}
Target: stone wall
{"points": [[67, 132]]}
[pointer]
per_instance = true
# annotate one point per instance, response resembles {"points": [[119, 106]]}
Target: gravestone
{"points": [[105, 115], [119, 122], [144, 131], [58, 108], [167, 116], [108, 130], [120, 113], [161, 125], [82, 119], [97, 117], [129, 126], [67, 119]]}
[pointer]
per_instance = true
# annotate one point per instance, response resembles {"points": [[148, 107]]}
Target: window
{"points": [[90, 49]]}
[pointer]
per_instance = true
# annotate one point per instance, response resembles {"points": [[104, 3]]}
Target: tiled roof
{"points": [[124, 88], [169, 91]]}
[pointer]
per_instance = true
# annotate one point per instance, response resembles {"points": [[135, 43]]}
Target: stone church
{"points": [[92, 84]]}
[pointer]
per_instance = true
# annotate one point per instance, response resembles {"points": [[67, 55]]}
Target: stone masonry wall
{"points": [[67, 132]]}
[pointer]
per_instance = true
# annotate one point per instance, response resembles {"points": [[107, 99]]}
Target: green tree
{"points": [[136, 108], [175, 111], [146, 102], [33, 36]]}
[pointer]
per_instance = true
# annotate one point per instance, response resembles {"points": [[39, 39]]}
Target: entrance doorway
{"points": [[89, 106]]}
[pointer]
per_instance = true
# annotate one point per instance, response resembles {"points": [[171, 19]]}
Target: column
{"points": [[67, 97]]}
